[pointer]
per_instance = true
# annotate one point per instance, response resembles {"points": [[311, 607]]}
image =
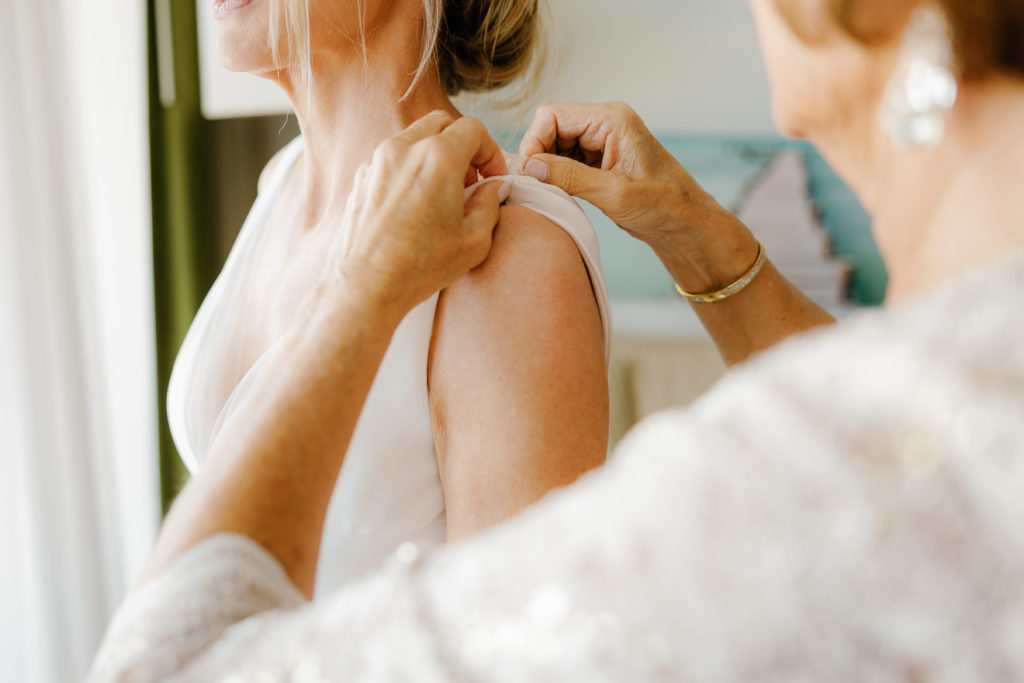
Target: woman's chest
{"points": [[285, 266]]}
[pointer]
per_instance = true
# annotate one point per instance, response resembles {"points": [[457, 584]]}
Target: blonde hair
{"points": [[477, 45]]}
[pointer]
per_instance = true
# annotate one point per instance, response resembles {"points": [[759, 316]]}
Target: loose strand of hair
{"points": [[433, 14]]}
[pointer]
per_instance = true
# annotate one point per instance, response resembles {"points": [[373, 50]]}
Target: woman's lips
{"points": [[223, 8]]}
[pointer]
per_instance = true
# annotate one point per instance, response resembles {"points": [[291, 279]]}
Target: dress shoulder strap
{"points": [[562, 210]]}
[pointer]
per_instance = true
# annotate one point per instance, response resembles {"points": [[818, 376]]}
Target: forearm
{"points": [[767, 311], [271, 471]]}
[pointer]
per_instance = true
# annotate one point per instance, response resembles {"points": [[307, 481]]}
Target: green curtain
{"points": [[184, 260]]}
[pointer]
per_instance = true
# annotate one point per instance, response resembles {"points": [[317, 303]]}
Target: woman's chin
{"points": [[237, 67], [243, 60]]}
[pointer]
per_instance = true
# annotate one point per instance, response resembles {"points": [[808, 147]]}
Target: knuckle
{"points": [[543, 116], [442, 116], [436, 144], [378, 155], [623, 112], [468, 126], [621, 109], [388, 150], [551, 110], [436, 150]]}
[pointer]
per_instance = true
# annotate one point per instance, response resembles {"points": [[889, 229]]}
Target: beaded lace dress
{"points": [[846, 506]]}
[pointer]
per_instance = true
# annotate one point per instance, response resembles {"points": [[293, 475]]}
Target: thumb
{"points": [[480, 218], [575, 178]]}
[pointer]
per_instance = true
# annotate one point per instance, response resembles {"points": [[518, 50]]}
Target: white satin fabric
{"points": [[845, 507], [389, 492]]}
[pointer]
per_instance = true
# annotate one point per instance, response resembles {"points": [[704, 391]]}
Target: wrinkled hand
{"points": [[408, 231], [604, 153]]}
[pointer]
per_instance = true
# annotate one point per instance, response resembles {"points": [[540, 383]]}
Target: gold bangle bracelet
{"points": [[735, 287]]}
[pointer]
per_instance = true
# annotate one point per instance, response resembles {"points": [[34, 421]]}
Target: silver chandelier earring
{"points": [[923, 88]]}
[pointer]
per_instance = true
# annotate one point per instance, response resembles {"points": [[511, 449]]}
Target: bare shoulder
{"points": [[529, 306], [532, 262]]}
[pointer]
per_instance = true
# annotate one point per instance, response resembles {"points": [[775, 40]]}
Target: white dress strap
{"points": [[561, 209]]}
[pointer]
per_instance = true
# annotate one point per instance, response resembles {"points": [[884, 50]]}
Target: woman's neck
{"points": [[356, 102], [939, 213]]}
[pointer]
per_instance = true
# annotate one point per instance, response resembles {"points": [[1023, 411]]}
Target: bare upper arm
{"points": [[517, 378]]}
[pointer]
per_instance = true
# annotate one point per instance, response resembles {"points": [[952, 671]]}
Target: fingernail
{"points": [[504, 191], [535, 168]]}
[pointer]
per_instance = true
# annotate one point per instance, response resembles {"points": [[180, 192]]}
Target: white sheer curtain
{"points": [[79, 501]]}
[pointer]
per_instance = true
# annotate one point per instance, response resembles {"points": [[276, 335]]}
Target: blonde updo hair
{"points": [[477, 45]]}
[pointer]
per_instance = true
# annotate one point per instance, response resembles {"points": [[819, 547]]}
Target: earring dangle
{"points": [[923, 89]]}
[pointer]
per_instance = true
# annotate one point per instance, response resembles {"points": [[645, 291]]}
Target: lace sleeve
{"points": [[171, 619], [226, 610]]}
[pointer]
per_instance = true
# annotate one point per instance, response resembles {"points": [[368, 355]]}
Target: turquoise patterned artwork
{"points": [[727, 167]]}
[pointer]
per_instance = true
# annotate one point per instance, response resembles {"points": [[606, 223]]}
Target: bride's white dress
{"points": [[389, 492], [846, 507]]}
